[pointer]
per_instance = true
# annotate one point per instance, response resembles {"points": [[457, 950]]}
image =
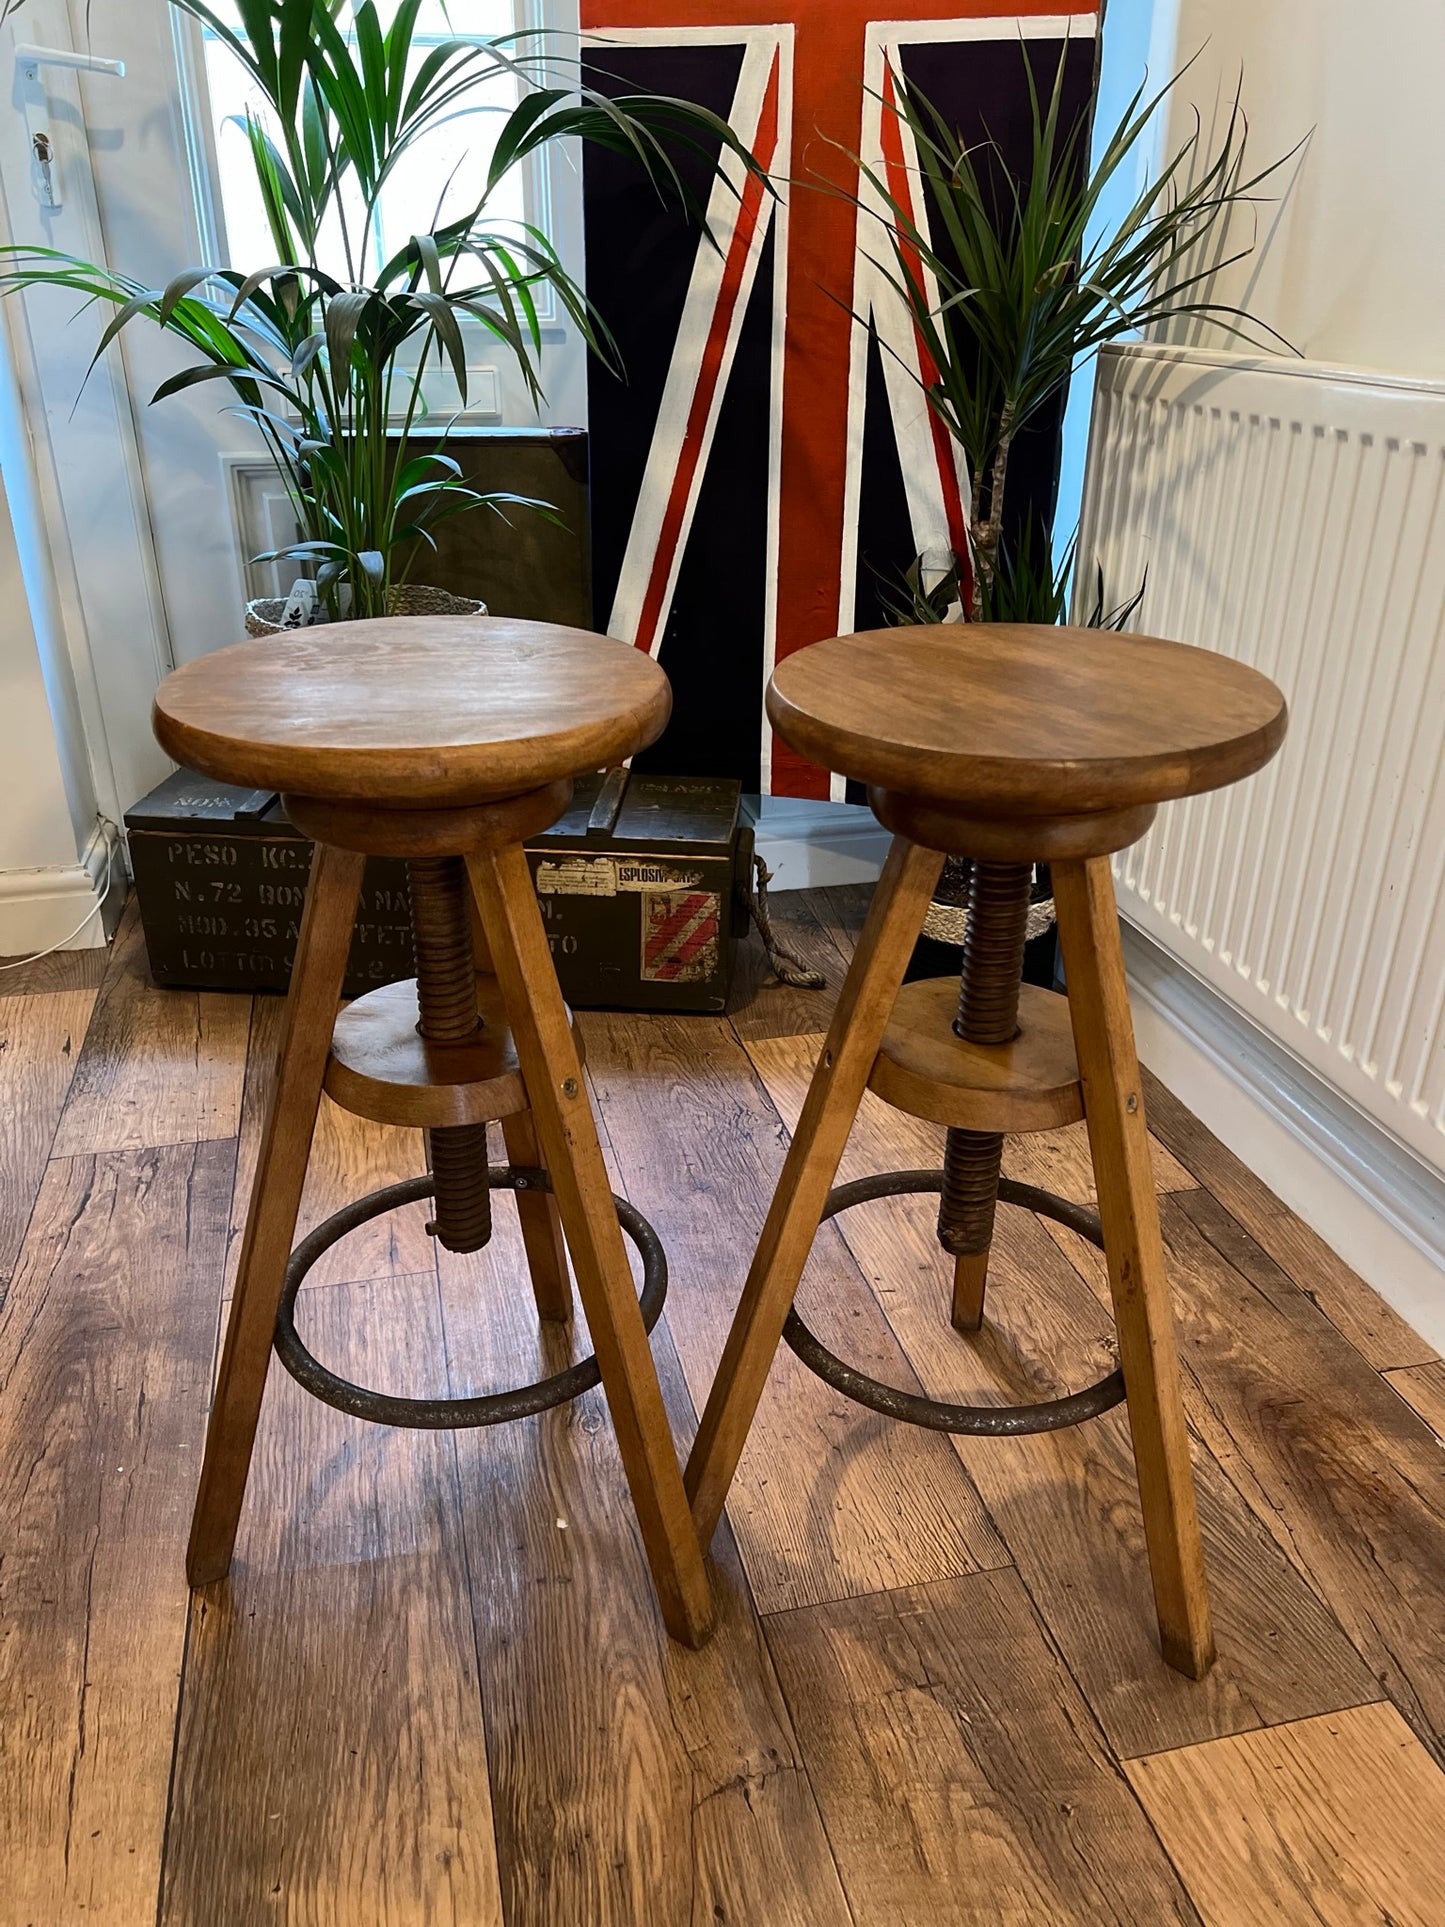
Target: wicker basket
{"points": [[263, 616], [947, 919]]}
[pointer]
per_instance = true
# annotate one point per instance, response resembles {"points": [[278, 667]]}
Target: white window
{"points": [[441, 178], [447, 170]]}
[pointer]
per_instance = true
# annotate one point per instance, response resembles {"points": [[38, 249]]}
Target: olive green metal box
{"points": [[643, 887]]}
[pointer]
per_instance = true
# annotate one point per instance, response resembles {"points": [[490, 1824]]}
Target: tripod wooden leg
{"points": [[970, 1286], [1119, 1142], [311, 1007], [894, 921], [541, 1225], [568, 1135]]}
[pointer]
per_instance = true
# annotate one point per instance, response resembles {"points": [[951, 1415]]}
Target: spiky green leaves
{"points": [[1015, 280]]}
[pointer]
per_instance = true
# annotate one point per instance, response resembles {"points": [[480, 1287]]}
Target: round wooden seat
{"points": [[1023, 720], [413, 711]]}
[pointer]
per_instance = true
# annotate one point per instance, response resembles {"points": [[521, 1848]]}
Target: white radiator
{"points": [[1293, 515]]}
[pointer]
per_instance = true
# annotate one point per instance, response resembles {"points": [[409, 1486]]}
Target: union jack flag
{"points": [[771, 458]]}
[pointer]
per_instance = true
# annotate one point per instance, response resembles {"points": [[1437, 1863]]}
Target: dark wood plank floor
{"points": [[435, 1689]]}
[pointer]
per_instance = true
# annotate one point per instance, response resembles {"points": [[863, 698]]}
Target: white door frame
{"points": [[112, 645]]}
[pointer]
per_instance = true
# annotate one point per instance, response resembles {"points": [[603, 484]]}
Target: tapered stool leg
{"points": [[895, 918], [541, 1225], [568, 1134], [1134, 1247], [320, 968]]}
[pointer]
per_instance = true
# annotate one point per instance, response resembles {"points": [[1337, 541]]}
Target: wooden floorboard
{"points": [[331, 1761], [1059, 1161], [1376, 1330], [1066, 1504], [106, 1341], [436, 1687], [1338, 1820], [863, 1504], [760, 1005], [840, 909], [158, 1066], [634, 1781], [1325, 1450], [962, 1778], [40, 1040], [1350, 1483], [61, 970], [1423, 1388]]}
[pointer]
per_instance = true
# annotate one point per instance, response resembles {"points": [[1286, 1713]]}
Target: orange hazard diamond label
{"points": [[680, 936]]}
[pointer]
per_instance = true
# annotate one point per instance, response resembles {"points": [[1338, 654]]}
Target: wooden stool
{"points": [[446, 743], [1011, 745]]}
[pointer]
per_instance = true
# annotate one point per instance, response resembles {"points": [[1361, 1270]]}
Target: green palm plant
{"points": [[325, 347], [1012, 283], [1026, 586]]}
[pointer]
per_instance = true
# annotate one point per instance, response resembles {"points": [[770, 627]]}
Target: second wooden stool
{"points": [[447, 743], [1009, 745]]}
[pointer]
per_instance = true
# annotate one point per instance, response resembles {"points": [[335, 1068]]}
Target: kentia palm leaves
{"points": [[1010, 287], [324, 350]]}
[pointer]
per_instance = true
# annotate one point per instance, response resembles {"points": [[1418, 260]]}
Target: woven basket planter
{"points": [[263, 616], [947, 918], [938, 952]]}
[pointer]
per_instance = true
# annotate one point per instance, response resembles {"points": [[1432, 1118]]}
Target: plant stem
{"points": [[988, 528]]}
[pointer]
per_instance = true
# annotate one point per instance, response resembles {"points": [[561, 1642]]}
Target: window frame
{"points": [[551, 201]]}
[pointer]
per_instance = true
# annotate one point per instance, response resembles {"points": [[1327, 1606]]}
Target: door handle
{"points": [[45, 181], [34, 58]]}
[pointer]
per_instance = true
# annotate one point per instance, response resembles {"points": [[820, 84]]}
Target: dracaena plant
{"points": [[1013, 283], [325, 347], [1028, 585]]}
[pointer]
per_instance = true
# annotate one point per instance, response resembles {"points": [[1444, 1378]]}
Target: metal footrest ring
{"points": [[988, 1421], [450, 1414]]}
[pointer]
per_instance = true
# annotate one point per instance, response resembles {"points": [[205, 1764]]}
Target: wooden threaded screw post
{"points": [[988, 1013], [446, 992]]}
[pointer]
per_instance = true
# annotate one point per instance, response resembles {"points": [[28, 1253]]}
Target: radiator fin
{"points": [[1293, 516]]}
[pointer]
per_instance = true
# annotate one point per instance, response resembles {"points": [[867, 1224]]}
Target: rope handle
{"points": [[788, 968]]}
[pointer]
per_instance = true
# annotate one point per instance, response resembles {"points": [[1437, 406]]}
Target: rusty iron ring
{"points": [[988, 1421], [448, 1414]]}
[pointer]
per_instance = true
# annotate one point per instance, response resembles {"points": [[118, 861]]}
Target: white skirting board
{"points": [[40, 909], [1372, 1201], [809, 846]]}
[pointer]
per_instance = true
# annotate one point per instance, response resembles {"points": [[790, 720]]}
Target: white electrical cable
{"points": [[90, 916]]}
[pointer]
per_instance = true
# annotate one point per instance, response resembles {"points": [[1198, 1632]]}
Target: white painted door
{"points": [[156, 510]]}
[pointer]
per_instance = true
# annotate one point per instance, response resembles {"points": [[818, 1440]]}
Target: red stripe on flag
{"points": [[710, 372]]}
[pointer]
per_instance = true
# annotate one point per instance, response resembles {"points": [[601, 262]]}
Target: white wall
{"points": [[36, 827], [51, 849], [1351, 262], [1352, 270]]}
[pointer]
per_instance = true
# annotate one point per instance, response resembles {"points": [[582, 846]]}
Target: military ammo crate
{"points": [[221, 876], [643, 885]]}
